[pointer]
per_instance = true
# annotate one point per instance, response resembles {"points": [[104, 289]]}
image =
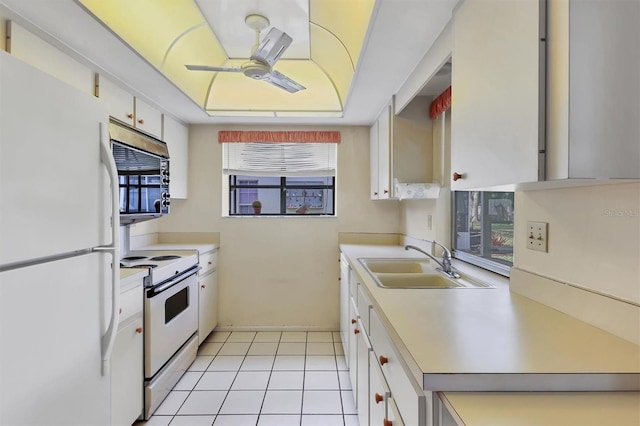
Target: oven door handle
{"points": [[154, 291]]}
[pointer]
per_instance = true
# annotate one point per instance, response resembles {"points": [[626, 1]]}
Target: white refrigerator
{"points": [[59, 260]]}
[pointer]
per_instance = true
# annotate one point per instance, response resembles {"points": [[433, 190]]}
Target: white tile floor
{"points": [[263, 378]]}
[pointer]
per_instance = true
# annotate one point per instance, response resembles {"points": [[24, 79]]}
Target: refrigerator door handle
{"points": [[114, 248]]}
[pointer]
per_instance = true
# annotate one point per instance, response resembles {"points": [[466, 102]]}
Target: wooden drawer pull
{"points": [[353, 321], [208, 263], [203, 286], [141, 121], [129, 115], [457, 176], [378, 398], [383, 360], [387, 422], [139, 330], [356, 331]]}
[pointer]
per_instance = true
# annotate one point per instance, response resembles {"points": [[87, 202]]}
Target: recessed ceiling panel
{"points": [[235, 91], [227, 20]]}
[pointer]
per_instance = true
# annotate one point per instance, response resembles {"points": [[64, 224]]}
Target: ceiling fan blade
{"points": [[282, 81], [208, 68], [272, 47]]}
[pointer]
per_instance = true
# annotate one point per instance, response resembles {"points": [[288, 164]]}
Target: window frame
{"points": [[283, 187], [482, 262]]}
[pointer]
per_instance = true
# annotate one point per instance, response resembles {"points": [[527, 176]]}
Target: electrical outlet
{"points": [[537, 236]]}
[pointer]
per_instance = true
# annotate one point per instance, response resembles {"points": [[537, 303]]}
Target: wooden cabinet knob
{"points": [[387, 422], [353, 321], [356, 331], [378, 398], [129, 115], [375, 193], [383, 360], [457, 176], [202, 286], [208, 263], [141, 121], [386, 191], [120, 311], [139, 330]]}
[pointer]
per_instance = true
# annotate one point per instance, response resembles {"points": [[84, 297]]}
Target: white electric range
{"points": [[170, 318]]}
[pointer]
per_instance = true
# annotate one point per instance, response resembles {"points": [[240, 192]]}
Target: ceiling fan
{"points": [[264, 55]]}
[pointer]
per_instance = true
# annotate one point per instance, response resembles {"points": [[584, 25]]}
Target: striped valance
{"points": [[227, 136]]}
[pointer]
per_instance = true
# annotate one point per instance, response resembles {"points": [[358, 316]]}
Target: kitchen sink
{"points": [[397, 265], [409, 280], [414, 274]]}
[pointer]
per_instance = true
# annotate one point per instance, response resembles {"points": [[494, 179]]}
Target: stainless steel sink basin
{"points": [[414, 274]]}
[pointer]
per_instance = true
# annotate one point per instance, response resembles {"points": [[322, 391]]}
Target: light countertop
{"points": [[544, 408], [202, 248], [131, 277], [492, 339]]}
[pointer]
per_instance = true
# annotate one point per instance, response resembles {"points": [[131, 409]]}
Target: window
{"points": [[483, 229], [280, 179]]}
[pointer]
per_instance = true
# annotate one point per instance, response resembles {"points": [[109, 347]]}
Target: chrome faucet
{"points": [[445, 265]]}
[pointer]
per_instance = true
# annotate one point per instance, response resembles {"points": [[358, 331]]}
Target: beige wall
{"points": [[594, 237], [279, 271], [415, 214]]}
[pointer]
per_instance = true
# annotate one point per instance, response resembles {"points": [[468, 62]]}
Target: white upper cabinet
{"points": [[400, 148], [176, 136], [124, 107], [496, 93], [33, 50], [119, 102], [593, 113], [148, 119]]}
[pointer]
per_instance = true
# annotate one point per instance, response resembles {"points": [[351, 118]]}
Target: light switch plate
{"points": [[537, 236]]}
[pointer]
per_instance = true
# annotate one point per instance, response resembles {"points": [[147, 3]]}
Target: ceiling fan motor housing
{"points": [[256, 70]]}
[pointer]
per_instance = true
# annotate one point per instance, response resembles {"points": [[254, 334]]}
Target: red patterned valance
{"points": [[440, 104], [225, 136]]}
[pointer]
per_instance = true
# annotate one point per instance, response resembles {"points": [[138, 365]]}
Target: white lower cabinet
{"points": [[344, 306], [127, 360], [362, 393], [208, 295], [384, 391]]}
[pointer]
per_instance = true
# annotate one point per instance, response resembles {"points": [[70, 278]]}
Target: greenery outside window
{"points": [[483, 229]]}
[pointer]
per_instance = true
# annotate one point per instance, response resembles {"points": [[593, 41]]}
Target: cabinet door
{"points": [[119, 101], [496, 93], [362, 394], [344, 305], [207, 304], [384, 153], [126, 374], [353, 348], [148, 119], [177, 138], [373, 160]]}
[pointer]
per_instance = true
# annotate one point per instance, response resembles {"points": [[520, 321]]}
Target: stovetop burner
{"points": [[168, 257], [134, 257]]}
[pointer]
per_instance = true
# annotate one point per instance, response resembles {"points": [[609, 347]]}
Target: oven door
{"points": [[171, 317]]}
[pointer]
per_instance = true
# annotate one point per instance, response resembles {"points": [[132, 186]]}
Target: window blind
{"points": [[279, 159]]}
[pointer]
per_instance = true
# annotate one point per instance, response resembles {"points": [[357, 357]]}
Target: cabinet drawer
{"points": [[364, 306], [208, 262], [407, 394], [379, 392], [130, 303]]}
